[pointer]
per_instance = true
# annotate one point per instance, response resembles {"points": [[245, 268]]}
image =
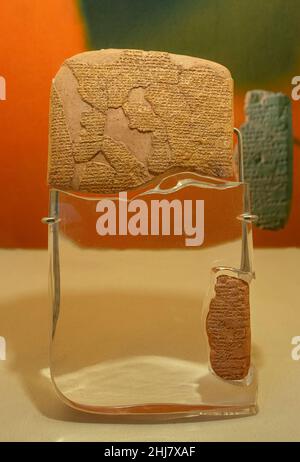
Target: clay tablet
{"points": [[118, 118], [268, 156]]}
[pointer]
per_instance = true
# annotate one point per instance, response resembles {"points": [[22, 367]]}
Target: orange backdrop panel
{"points": [[36, 37]]}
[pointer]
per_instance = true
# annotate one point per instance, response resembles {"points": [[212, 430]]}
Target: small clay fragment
{"points": [[228, 328]]}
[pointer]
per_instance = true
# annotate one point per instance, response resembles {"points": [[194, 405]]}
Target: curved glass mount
{"points": [[136, 281]]}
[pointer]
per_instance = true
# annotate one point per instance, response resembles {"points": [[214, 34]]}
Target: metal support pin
{"points": [[246, 217], [50, 220], [240, 153], [53, 219]]}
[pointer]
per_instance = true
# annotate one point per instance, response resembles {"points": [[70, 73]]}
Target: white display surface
{"points": [[31, 411]]}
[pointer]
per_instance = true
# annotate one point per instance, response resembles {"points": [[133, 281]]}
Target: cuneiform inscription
{"points": [[172, 116]]}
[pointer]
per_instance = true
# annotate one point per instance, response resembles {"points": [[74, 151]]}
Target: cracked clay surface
{"points": [[118, 118]]}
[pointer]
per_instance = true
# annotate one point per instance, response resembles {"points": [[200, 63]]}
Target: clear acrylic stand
{"points": [[129, 333]]}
